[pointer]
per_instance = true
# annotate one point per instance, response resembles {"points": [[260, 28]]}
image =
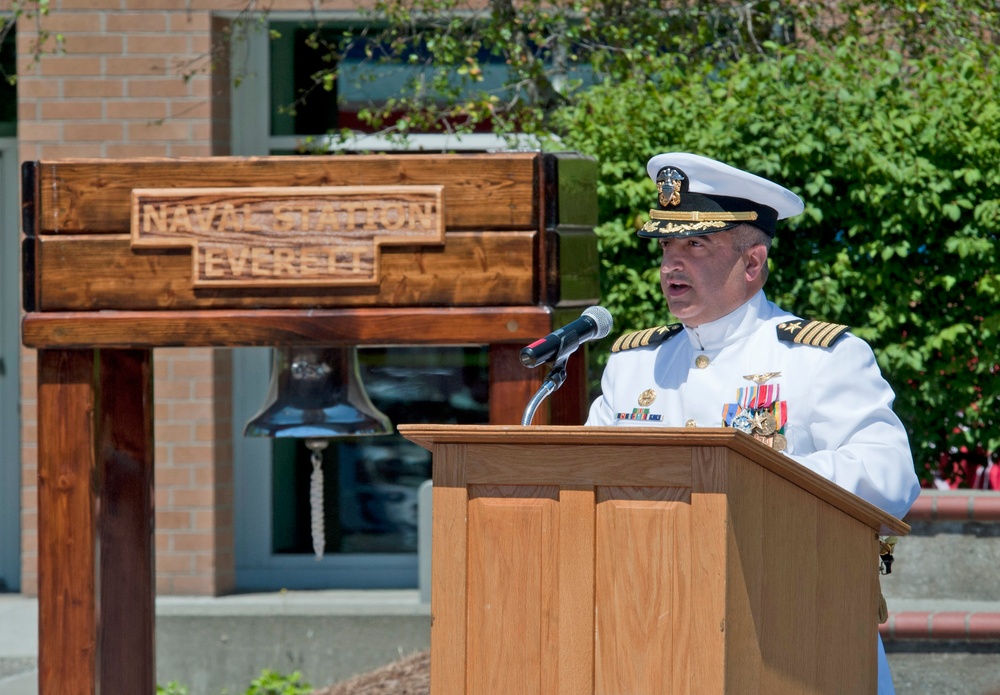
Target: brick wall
{"points": [[134, 81]]}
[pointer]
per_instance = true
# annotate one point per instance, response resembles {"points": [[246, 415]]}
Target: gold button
{"points": [[690, 423], [701, 361]]}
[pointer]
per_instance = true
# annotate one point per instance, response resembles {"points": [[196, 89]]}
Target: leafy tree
{"points": [[897, 160], [511, 65]]}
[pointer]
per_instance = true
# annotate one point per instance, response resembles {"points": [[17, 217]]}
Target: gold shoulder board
{"points": [[645, 337], [816, 333]]}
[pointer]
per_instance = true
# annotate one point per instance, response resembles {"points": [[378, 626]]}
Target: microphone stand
{"points": [[552, 382]]}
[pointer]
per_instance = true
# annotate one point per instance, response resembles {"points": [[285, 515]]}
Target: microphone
{"points": [[595, 323]]}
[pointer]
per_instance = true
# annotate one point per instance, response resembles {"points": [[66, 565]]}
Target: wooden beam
{"points": [[247, 328], [481, 190], [96, 272]]}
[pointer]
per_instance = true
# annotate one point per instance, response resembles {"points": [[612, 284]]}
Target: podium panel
{"points": [[607, 561]]}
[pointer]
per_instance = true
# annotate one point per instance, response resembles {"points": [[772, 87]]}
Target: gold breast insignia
{"points": [[761, 378]]}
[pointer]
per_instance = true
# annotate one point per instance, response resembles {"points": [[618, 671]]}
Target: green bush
{"points": [[273, 683], [268, 683], [898, 161]]}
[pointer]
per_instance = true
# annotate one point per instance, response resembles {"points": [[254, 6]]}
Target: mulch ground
{"points": [[409, 676]]}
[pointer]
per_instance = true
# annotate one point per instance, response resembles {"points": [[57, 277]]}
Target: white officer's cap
{"points": [[698, 195]]}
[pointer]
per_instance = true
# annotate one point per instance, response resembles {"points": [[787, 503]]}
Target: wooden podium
{"points": [[642, 561]]}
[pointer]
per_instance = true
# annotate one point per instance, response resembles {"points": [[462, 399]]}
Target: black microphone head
{"points": [[602, 318]]}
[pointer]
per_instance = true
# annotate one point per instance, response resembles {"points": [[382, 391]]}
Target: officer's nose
{"points": [[671, 261]]}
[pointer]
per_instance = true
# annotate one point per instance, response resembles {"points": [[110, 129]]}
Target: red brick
{"points": [[99, 44], [57, 66], [88, 150], [174, 476], [201, 498], [195, 150], [193, 542], [171, 130], [94, 88], [29, 87], [92, 132], [193, 366], [69, 22], [949, 625], [34, 132], [64, 110], [176, 564], [161, 498], [174, 432], [160, 87], [986, 507], [190, 412], [173, 520], [167, 5], [197, 453], [170, 389], [168, 44], [111, 5], [922, 509], [952, 508], [984, 626], [135, 65], [181, 22], [191, 108], [127, 151], [910, 625], [135, 22]]}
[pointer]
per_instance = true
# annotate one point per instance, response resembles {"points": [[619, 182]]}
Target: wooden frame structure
{"points": [[570, 560], [519, 258]]}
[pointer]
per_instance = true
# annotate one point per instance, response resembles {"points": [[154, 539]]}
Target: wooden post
{"points": [[95, 515]]}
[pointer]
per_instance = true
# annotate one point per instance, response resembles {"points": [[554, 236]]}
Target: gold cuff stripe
{"points": [[697, 216]]}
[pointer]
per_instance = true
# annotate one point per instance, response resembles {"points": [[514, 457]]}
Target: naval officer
{"points": [[809, 389]]}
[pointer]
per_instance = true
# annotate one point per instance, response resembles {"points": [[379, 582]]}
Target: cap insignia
{"points": [[668, 183], [815, 333]]}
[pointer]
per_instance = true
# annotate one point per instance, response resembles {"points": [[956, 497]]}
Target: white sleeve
{"points": [[858, 442], [601, 412]]}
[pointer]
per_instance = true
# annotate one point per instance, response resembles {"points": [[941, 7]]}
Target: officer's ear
{"points": [[755, 263]]}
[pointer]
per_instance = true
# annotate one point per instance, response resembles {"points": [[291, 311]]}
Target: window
{"points": [[8, 92], [371, 483]]}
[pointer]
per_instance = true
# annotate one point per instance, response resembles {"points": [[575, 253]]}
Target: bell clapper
{"points": [[316, 446]]}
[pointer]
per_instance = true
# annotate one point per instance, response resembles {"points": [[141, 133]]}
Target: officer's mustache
{"points": [[675, 278]]}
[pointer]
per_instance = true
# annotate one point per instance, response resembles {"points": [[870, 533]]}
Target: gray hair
{"points": [[746, 236]]}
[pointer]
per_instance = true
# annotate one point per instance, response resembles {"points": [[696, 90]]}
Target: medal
{"points": [[743, 423], [765, 423], [779, 443]]}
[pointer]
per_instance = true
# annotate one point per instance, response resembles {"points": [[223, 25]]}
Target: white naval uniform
{"points": [[838, 407]]}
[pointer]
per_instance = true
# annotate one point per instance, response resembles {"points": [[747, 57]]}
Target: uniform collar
{"points": [[733, 326]]}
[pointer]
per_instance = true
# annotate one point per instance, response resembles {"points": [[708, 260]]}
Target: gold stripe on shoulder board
{"points": [[815, 333], [645, 337]]}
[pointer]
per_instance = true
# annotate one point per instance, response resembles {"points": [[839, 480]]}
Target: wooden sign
{"points": [[290, 236]]}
